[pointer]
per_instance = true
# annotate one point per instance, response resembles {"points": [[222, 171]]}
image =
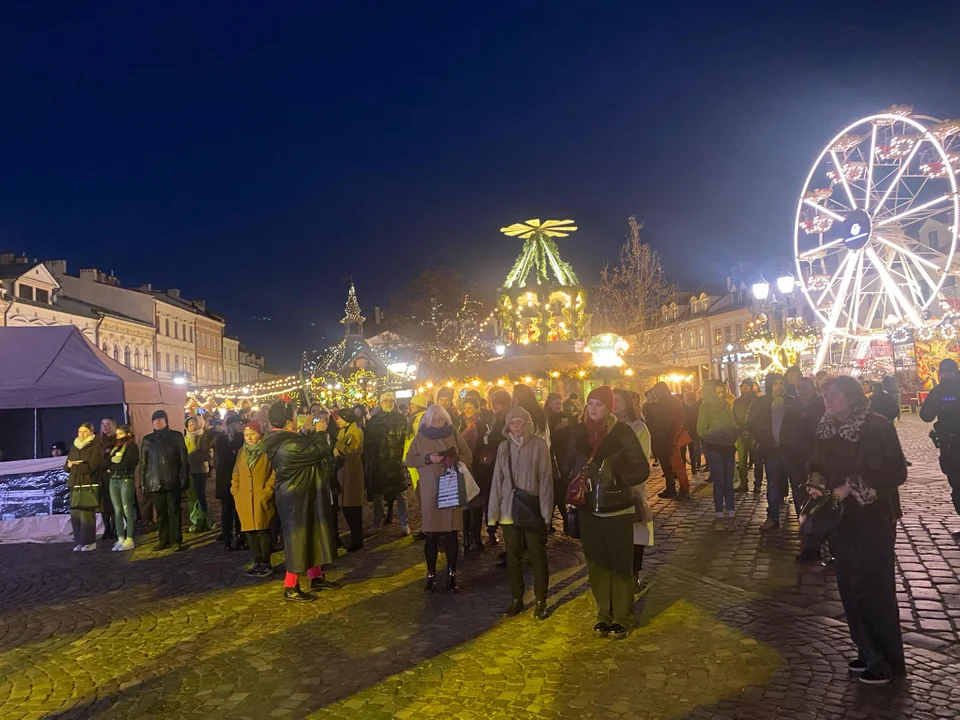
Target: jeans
{"points": [[84, 524], [169, 515], [536, 545], [260, 543], [776, 481], [123, 497], [451, 548], [198, 500], [721, 476], [608, 548], [401, 510], [864, 559]]}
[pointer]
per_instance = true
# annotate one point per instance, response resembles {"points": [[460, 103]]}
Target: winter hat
{"points": [[389, 395], [160, 415], [603, 393], [420, 400], [445, 392], [255, 426], [515, 413]]}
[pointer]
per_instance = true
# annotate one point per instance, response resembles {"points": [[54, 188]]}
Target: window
{"points": [[176, 363], [692, 337], [717, 337], [159, 364], [176, 331], [191, 333], [168, 362], [933, 239], [158, 322], [701, 338], [105, 352], [126, 356], [116, 352], [136, 359], [728, 334], [43, 296], [184, 331], [25, 292], [739, 331], [167, 333], [146, 361]]}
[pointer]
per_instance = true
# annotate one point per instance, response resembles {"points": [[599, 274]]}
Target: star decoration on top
{"points": [[550, 228]]}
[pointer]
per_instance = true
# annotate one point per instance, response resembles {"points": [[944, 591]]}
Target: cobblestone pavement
{"points": [[731, 628]]}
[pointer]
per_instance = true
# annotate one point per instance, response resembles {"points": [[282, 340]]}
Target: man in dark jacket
{"points": [[383, 440], [226, 445], [164, 472], [304, 466], [797, 444], [764, 424], [943, 405], [883, 403], [741, 408], [691, 411], [664, 418]]}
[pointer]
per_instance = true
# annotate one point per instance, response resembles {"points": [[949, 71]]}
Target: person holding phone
{"points": [[84, 462], [349, 446]]}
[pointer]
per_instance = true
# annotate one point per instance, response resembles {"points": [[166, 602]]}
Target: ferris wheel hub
{"points": [[857, 229]]}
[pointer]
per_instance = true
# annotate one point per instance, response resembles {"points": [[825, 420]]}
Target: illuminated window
{"points": [[717, 337], [701, 338]]}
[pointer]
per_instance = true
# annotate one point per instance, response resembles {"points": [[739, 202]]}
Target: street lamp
{"points": [[761, 288], [785, 284]]}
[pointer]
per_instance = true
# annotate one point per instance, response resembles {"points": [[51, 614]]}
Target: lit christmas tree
{"points": [[352, 309]]}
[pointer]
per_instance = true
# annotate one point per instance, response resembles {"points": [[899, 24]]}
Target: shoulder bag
{"points": [[524, 506], [579, 484]]}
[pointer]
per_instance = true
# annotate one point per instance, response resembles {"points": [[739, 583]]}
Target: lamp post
{"points": [[785, 285]]}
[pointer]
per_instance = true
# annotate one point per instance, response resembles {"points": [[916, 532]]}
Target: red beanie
{"points": [[603, 393], [255, 426]]}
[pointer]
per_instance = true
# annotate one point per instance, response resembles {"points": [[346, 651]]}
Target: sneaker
{"points": [[266, 570], [88, 548], [77, 548], [601, 629], [514, 609], [868, 677], [178, 547], [128, 544], [116, 546], [667, 493], [641, 586], [540, 610], [618, 631], [720, 523], [254, 569], [418, 535], [770, 525], [857, 666], [295, 594], [683, 495], [405, 532], [321, 583]]}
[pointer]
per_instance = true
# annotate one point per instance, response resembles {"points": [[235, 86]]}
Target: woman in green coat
{"points": [[718, 433]]}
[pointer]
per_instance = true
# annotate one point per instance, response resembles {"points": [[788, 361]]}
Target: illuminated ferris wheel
{"points": [[876, 226]]}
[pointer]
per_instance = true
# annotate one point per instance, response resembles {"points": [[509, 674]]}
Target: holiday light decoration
{"points": [[248, 392], [784, 352], [607, 350], [540, 252]]}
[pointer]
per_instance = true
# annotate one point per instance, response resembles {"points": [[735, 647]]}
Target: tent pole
{"points": [[36, 435], [126, 414]]}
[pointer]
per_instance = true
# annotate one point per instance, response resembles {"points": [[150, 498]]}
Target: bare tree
{"points": [[631, 296]]}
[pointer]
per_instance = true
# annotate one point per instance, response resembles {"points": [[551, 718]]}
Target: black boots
{"points": [[515, 608], [295, 594], [540, 610]]}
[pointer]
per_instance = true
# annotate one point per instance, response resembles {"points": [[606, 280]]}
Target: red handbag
{"points": [[579, 485]]}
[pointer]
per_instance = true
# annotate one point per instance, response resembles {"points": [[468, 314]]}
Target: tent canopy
{"points": [[49, 367]]}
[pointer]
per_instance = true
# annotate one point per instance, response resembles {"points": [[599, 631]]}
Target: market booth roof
{"points": [[536, 364], [51, 367]]}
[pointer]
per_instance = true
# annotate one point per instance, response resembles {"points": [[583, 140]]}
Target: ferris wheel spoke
{"points": [[870, 161], [843, 178], [833, 279], [893, 290], [853, 313], [912, 210], [818, 248], [914, 285], [916, 258], [825, 211], [896, 180], [848, 265]]}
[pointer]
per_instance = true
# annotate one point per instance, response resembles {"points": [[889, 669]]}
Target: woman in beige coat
{"points": [[252, 488], [349, 446], [436, 447], [523, 463]]}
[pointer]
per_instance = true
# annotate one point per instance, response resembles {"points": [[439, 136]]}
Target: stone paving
{"points": [[731, 628]]}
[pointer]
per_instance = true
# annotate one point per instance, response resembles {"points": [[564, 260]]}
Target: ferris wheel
{"points": [[876, 225]]}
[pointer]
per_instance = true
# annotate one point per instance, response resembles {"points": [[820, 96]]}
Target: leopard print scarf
{"points": [[848, 429]]}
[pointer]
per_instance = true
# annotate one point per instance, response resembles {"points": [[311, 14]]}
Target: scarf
{"points": [[848, 429], [517, 441], [596, 431], [253, 452], [470, 433], [81, 444], [116, 455], [437, 433]]}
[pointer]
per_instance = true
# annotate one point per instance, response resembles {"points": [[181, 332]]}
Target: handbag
{"points": [[577, 489], [451, 489], [525, 506], [469, 482], [820, 517]]}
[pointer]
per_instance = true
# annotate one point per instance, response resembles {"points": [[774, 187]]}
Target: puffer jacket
{"points": [[526, 467], [618, 464], [715, 423], [164, 464]]}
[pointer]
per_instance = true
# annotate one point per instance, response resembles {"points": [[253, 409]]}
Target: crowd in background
{"points": [[520, 470]]}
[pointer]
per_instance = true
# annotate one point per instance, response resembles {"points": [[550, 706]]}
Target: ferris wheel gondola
{"points": [[876, 224]]}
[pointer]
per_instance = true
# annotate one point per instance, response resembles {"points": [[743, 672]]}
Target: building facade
{"points": [[209, 349], [251, 366], [231, 360]]}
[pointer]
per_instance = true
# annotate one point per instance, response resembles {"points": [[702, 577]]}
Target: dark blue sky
{"points": [[253, 153]]}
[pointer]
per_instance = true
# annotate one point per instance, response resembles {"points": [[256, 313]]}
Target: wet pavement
{"points": [[730, 628]]}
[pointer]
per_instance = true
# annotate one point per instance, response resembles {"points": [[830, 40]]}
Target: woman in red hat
{"points": [[610, 453]]}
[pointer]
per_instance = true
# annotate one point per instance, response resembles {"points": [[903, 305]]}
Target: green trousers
{"points": [[608, 548]]}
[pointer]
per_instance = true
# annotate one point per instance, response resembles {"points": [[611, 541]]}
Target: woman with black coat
{"points": [[84, 463], [610, 452], [859, 461]]}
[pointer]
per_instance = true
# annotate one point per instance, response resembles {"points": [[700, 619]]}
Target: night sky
{"points": [[253, 154]]}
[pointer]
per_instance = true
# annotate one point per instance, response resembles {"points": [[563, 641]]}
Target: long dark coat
{"points": [[225, 449], [84, 479], [383, 440], [303, 465]]}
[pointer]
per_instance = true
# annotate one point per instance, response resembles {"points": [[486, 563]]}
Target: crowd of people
{"points": [[506, 466]]}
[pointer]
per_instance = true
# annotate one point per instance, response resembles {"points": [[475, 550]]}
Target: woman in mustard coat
{"points": [[252, 489]]}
